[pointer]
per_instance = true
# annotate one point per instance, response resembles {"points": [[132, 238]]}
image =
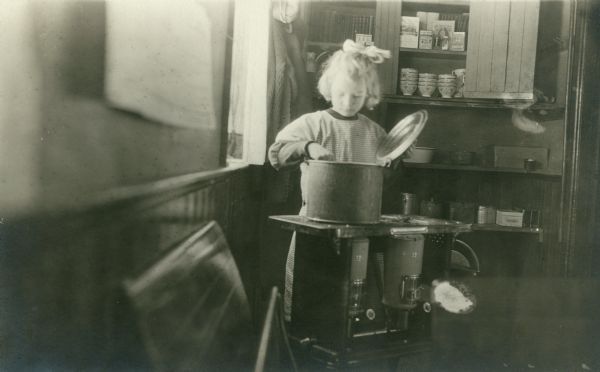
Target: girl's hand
{"points": [[318, 152]]}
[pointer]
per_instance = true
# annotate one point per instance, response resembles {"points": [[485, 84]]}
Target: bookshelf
{"points": [[330, 23], [460, 54]]}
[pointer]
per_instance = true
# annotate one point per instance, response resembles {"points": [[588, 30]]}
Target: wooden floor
{"points": [[531, 324]]}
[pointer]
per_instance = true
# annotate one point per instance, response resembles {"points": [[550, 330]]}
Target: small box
{"points": [[409, 34], [430, 18], [514, 156], [364, 39], [509, 218], [457, 41], [426, 39]]}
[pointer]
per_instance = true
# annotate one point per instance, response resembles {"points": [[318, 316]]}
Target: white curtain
{"points": [[248, 103]]}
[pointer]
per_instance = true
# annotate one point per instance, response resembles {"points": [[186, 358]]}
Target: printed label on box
{"points": [[509, 218], [457, 41], [364, 39], [425, 39]]}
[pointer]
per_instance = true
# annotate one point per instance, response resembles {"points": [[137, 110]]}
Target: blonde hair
{"points": [[357, 62]]}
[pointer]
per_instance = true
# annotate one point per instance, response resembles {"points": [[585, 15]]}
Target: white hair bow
{"points": [[375, 54]]}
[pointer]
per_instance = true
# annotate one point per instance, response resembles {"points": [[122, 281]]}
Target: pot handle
{"points": [[469, 253]]}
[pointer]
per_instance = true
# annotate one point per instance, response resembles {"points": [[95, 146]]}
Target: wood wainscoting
{"points": [[62, 271]]}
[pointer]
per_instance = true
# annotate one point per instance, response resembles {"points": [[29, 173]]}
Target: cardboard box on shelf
{"points": [[364, 39], [509, 218], [409, 34], [425, 39], [457, 41], [514, 156]]}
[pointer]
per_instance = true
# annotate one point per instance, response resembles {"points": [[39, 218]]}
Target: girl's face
{"points": [[347, 95]]}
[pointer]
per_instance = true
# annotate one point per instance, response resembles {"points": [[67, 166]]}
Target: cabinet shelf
{"points": [[474, 168], [324, 44], [463, 3], [434, 52], [470, 102], [492, 227]]}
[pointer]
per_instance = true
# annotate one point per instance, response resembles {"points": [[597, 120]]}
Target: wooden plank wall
{"points": [[452, 129], [387, 34], [582, 138], [502, 49], [504, 254], [62, 273]]}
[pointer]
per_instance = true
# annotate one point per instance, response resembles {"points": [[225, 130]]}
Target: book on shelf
{"points": [[462, 23], [409, 34], [449, 16], [337, 25], [422, 20], [461, 20], [431, 17]]}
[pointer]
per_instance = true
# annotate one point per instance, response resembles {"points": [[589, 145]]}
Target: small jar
{"points": [[410, 204], [486, 214], [529, 165], [430, 208]]}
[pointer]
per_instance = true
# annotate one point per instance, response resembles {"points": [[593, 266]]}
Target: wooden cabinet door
{"points": [[388, 17], [501, 49]]}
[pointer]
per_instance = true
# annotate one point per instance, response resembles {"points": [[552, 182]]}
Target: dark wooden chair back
{"points": [[191, 307]]}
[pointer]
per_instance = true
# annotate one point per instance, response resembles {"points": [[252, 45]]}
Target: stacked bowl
{"points": [[408, 81], [460, 81], [427, 84], [447, 85]]}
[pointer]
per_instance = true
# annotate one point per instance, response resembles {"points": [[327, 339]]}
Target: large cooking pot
{"points": [[345, 192]]}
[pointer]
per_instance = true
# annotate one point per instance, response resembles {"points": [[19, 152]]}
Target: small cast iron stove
{"points": [[338, 311]]}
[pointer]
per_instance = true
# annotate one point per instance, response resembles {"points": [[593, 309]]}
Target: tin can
{"points": [[410, 204], [431, 208], [486, 214], [529, 164]]}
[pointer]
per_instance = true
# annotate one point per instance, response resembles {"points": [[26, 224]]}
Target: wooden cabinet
{"points": [[501, 46], [387, 36], [501, 49]]}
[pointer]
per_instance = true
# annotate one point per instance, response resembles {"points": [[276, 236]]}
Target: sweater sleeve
{"points": [[290, 143]]}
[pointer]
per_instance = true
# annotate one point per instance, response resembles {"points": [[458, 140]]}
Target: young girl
{"points": [[350, 82]]}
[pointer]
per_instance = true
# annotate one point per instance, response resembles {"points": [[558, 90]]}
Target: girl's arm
{"points": [[291, 143], [296, 142], [285, 154]]}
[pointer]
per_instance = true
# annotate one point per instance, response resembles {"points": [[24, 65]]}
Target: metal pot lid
{"points": [[401, 137]]}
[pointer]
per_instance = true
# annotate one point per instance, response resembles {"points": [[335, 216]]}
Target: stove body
{"points": [[357, 289]]}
